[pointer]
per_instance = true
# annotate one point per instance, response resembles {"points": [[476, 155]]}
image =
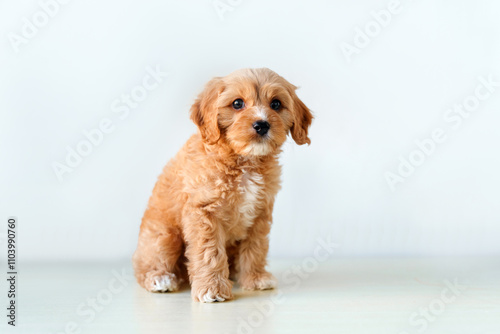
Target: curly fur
{"points": [[211, 209]]}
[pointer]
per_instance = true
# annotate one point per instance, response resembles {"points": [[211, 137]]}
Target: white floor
{"points": [[338, 296]]}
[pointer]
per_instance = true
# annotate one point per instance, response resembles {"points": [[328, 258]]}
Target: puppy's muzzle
{"points": [[261, 127]]}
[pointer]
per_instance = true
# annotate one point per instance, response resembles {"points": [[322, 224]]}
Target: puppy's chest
{"points": [[247, 198]]}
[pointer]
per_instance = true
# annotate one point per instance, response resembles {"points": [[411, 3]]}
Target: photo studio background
{"points": [[94, 100]]}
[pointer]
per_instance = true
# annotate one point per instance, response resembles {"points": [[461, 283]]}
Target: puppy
{"points": [[211, 210]]}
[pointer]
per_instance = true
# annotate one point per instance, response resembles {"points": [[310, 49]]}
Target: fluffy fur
{"points": [[211, 209]]}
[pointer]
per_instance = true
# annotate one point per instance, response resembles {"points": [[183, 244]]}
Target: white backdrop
{"points": [[380, 76]]}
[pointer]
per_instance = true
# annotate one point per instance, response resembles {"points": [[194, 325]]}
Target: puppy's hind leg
{"points": [[156, 259]]}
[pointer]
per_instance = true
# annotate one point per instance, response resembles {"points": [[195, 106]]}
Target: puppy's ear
{"points": [[302, 119], [204, 111]]}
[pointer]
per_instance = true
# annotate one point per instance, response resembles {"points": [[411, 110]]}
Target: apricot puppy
{"points": [[211, 209]]}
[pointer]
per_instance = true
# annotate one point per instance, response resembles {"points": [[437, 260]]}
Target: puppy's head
{"points": [[252, 110]]}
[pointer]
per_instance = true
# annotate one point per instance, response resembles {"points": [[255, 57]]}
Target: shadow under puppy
{"points": [[211, 208]]}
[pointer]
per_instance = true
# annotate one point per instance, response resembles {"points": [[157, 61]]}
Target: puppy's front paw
{"points": [[262, 281], [161, 282], [209, 293]]}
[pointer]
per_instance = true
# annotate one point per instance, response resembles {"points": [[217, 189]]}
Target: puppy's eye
{"points": [[238, 104], [275, 104]]}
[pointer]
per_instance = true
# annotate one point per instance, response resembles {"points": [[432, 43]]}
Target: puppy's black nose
{"points": [[261, 127]]}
